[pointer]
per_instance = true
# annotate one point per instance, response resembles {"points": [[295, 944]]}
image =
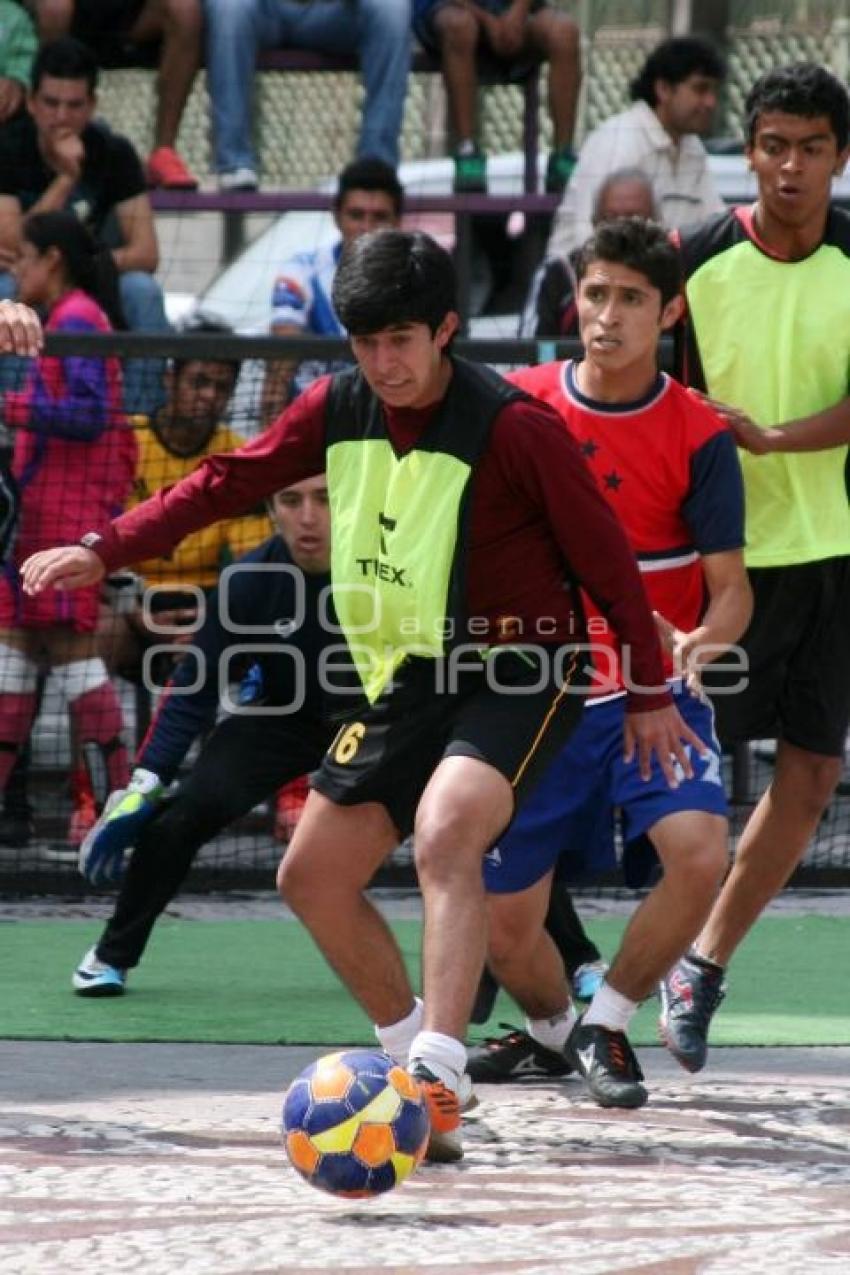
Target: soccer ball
{"points": [[355, 1123]]}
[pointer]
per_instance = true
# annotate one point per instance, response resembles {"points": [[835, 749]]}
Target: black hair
{"points": [[200, 323], [673, 61], [390, 277], [80, 252], [641, 245], [65, 59], [370, 174], [802, 88]]}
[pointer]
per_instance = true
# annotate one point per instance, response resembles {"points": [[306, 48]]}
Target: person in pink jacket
{"points": [[73, 462]]}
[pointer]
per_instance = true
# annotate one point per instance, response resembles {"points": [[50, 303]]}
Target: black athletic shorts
{"points": [[514, 710], [798, 644]]}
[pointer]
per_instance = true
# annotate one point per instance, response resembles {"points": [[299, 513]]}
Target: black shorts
{"points": [[798, 644], [514, 710], [105, 26]]}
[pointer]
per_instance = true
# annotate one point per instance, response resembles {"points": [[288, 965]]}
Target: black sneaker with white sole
{"points": [[607, 1062], [689, 994], [515, 1056]]}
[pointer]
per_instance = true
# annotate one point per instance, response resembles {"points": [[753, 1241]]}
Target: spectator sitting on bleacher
{"points": [[18, 43], [513, 34], [117, 32], [189, 426], [674, 100], [550, 310], [369, 197], [377, 30], [74, 458], [55, 156]]}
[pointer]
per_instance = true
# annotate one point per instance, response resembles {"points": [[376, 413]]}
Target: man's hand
{"points": [[65, 153], [663, 732], [11, 97], [747, 434], [69, 567], [680, 647], [20, 330], [126, 812]]}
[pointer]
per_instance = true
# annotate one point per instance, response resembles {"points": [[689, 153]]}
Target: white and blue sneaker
{"points": [[94, 978], [587, 979]]}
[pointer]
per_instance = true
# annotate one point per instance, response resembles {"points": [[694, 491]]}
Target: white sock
{"points": [[609, 1009], [552, 1032], [396, 1038], [444, 1056]]}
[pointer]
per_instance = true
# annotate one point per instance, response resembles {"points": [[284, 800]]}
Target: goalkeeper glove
{"points": [[126, 812]]}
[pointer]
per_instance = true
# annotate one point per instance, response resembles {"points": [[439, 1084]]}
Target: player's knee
{"points": [[457, 28], [812, 784], [442, 845], [297, 884], [700, 863]]}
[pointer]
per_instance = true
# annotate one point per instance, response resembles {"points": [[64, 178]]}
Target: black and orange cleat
{"points": [[444, 1105]]}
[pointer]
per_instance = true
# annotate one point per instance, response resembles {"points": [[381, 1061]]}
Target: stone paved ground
{"points": [[164, 1159]]}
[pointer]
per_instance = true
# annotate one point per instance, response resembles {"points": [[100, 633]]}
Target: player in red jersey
{"points": [[667, 464]]}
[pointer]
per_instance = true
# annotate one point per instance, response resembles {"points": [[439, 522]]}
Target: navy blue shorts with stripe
{"points": [[571, 811]]}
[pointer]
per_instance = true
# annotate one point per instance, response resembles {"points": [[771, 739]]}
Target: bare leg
{"points": [[556, 38], [465, 807], [53, 19], [180, 23], [522, 955], [330, 861], [458, 32], [772, 845], [693, 847]]}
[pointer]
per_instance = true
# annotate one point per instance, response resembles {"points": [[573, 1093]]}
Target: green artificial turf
{"points": [[263, 982]]}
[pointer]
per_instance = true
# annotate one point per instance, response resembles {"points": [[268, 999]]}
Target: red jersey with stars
{"points": [[668, 466]]}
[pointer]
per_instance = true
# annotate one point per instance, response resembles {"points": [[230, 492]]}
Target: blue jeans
{"points": [[378, 30], [144, 310]]}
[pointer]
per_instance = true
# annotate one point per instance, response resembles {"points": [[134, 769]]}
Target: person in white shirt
{"points": [[369, 197], [674, 100]]}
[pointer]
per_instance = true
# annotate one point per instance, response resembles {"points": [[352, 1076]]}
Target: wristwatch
{"points": [[91, 539]]}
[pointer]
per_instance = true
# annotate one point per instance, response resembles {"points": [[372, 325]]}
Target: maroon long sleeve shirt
{"points": [[537, 522]]}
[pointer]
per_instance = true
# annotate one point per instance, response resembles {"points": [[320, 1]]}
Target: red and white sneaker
{"points": [[166, 169]]}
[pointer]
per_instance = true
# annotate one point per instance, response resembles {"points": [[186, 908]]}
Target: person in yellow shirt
{"points": [[188, 427]]}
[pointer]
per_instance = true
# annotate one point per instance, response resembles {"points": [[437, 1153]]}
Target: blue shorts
{"points": [[570, 812]]}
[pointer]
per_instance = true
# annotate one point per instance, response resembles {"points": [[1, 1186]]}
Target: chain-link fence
{"points": [[215, 392]]}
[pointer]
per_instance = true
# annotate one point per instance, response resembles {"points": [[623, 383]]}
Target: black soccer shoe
{"points": [[485, 997], [608, 1063], [690, 994], [514, 1057]]}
